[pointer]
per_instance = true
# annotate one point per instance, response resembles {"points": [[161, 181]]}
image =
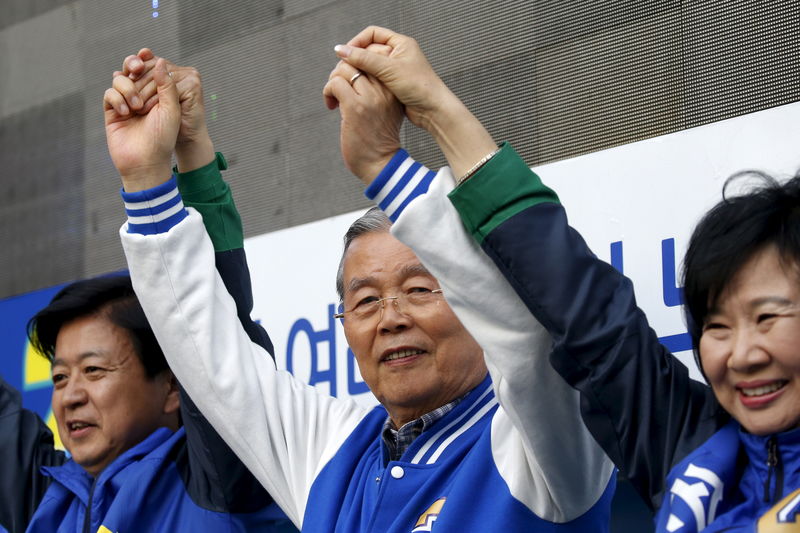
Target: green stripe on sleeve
{"points": [[205, 190], [500, 189]]}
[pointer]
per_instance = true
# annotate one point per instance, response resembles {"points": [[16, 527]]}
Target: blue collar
{"points": [[75, 479], [439, 434]]}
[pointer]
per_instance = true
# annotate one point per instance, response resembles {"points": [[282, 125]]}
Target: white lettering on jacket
{"points": [[692, 494]]}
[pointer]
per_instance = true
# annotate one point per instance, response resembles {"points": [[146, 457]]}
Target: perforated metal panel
{"points": [[556, 78]]}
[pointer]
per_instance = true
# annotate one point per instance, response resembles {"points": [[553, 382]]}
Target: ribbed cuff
{"points": [[203, 184], [154, 210], [500, 189], [204, 189], [400, 181]]}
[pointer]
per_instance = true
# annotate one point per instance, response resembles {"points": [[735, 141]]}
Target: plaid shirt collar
{"points": [[397, 441]]}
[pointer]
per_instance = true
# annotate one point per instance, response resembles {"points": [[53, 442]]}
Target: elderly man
{"points": [[464, 440], [142, 457]]}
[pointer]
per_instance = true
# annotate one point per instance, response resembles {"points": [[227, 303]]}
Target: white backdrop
{"points": [[644, 197]]}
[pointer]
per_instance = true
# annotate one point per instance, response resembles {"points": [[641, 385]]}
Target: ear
{"points": [[172, 401]]}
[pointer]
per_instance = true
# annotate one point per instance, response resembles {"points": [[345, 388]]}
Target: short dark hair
{"points": [[110, 297], [373, 221], [732, 233]]}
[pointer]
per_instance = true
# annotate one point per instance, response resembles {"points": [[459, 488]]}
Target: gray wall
{"points": [[556, 78]]}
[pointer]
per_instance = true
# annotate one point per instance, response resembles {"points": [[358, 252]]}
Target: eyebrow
{"points": [[780, 300], [357, 283], [405, 272], [81, 357], [415, 270], [770, 300]]}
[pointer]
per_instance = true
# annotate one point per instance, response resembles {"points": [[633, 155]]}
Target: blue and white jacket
{"points": [[735, 482], [188, 480], [666, 432], [512, 456]]}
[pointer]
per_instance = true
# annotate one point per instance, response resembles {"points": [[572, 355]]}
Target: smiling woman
{"points": [[718, 458], [750, 345]]}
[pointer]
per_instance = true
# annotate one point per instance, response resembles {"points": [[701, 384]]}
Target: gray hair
{"points": [[373, 221]]}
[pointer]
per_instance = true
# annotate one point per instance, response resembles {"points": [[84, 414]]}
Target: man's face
{"points": [[413, 358], [103, 401]]}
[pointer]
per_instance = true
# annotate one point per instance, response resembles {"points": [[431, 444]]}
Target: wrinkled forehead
{"points": [[379, 259]]}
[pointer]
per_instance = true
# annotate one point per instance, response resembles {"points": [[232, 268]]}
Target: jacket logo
{"points": [[426, 519], [784, 517], [691, 494]]}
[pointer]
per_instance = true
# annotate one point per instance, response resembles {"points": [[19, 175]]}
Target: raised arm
{"points": [[567, 471], [266, 416], [199, 178], [215, 477], [637, 399]]}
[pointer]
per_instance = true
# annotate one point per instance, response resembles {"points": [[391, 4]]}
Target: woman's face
{"points": [[750, 345]]}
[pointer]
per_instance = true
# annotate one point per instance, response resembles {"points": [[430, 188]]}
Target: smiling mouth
{"points": [[77, 426], [764, 389], [401, 354]]}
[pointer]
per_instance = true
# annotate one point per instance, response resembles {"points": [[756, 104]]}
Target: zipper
{"points": [[87, 517], [773, 465]]}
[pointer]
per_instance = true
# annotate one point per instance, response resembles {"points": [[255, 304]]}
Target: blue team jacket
{"points": [[142, 490]]}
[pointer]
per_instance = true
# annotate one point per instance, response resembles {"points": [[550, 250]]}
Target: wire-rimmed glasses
{"points": [[407, 303]]}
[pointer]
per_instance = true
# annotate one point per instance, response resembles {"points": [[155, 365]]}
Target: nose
{"points": [[74, 393], [392, 316], [747, 352]]}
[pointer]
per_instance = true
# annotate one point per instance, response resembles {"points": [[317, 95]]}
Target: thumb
{"points": [[165, 86], [365, 60]]}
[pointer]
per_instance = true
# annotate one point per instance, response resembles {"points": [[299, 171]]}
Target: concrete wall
{"points": [[556, 78]]}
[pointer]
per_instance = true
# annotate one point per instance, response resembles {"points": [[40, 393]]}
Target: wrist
{"points": [[146, 176], [193, 153], [443, 106], [461, 136], [369, 172]]}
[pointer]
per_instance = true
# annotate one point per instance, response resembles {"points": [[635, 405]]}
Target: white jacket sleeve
{"points": [[539, 423], [283, 430]]}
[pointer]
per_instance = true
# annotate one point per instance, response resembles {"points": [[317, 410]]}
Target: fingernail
{"points": [[342, 50], [124, 109], [136, 101]]}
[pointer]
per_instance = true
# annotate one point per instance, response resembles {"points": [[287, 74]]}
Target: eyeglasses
{"points": [[368, 309]]}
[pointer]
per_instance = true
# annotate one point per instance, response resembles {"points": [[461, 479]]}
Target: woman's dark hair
{"points": [[731, 234], [110, 297]]}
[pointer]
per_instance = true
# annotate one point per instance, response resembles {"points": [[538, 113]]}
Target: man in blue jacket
{"points": [[463, 440], [143, 457]]}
